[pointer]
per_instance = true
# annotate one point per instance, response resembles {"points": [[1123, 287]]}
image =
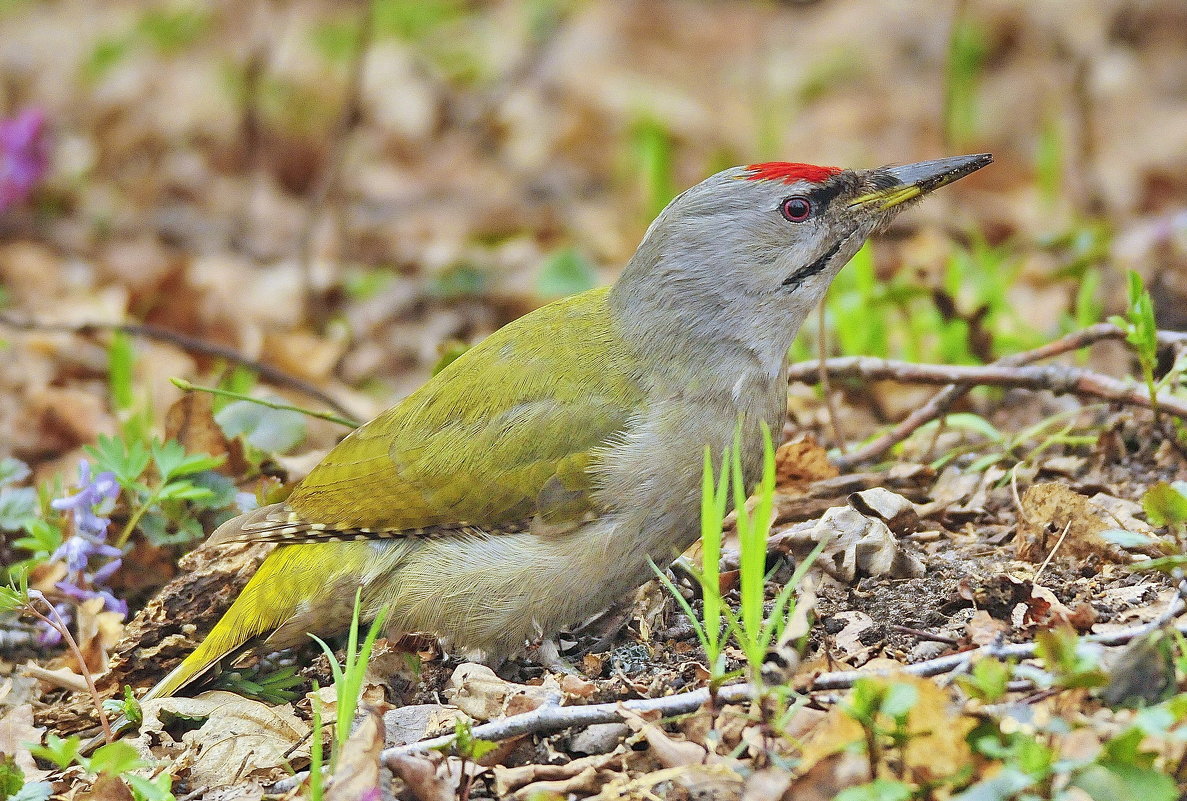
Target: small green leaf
{"points": [[17, 506], [1109, 781], [59, 751], [172, 460], [184, 490], [127, 460], [271, 430], [12, 470], [12, 778], [1166, 504], [1163, 564], [121, 364], [900, 699], [877, 790], [113, 759], [987, 681], [157, 789], [1128, 539]]}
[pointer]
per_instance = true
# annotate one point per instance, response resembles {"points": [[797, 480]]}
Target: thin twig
{"points": [[1051, 553], [925, 635], [943, 400], [1059, 379], [189, 344], [60, 626], [328, 179], [189, 386]]}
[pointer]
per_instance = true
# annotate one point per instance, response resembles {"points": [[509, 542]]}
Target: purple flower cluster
{"points": [[24, 155], [88, 544]]}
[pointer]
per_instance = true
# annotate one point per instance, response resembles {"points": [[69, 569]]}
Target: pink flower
{"points": [[24, 155]]}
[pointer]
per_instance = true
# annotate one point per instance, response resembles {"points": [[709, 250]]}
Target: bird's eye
{"points": [[796, 208]]}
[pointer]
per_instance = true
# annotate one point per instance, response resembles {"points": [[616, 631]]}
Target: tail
{"points": [[294, 590]]}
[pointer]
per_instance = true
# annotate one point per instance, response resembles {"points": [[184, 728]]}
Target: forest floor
{"points": [[241, 197]]}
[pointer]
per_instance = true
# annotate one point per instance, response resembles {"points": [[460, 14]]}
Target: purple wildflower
{"points": [[24, 155], [89, 508]]}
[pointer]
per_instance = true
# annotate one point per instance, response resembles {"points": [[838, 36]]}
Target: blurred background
{"points": [[352, 192]]}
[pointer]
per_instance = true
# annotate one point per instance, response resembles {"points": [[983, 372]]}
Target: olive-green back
{"points": [[505, 432]]}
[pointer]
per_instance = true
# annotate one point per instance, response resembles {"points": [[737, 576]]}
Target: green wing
{"points": [[507, 432]]}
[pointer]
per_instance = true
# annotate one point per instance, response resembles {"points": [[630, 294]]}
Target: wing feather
{"points": [[508, 433]]}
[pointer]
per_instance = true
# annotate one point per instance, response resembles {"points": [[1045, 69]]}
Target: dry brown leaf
{"points": [[414, 722], [17, 733], [670, 752], [303, 354], [108, 788], [768, 784], [984, 629], [1054, 514], [98, 631], [828, 776], [586, 782], [935, 749], [240, 738], [1043, 610], [479, 693], [357, 774], [584, 776], [577, 687], [893, 509], [800, 462], [422, 778], [190, 420], [857, 546], [848, 639]]}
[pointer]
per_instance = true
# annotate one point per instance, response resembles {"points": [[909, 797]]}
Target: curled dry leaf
{"points": [[801, 462], [670, 752], [239, 739], [848, 639], [984, 629], [584, 776], [419, 773], [1043, 610], [1050, 509], [893, 509], [857, 546], [479, 693]]}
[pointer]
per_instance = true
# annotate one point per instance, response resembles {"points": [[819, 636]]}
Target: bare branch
{"points": [[958, 386], [273, 375]]}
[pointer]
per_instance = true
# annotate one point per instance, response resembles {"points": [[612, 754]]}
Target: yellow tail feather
{"points": [[275, 601]]}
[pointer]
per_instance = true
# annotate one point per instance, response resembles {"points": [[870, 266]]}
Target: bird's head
{"points": [[754, 248]]}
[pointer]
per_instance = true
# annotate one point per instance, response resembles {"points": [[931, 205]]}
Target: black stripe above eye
{"points": [[822, 195]]}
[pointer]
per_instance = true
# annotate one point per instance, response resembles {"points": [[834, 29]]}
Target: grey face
{"points": [[747, 253]]}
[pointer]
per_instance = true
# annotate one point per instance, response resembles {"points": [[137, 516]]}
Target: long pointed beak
{"points": [[897, 185]]}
